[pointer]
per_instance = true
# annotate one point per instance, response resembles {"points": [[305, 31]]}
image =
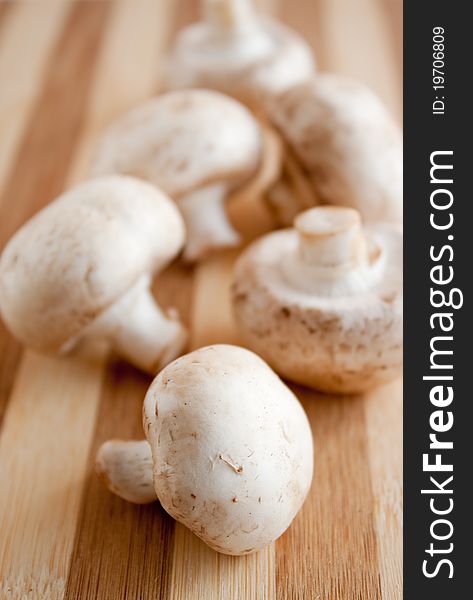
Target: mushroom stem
{"points": [[233, 15], [206, 221], [140, 331], [331, 237], [127, 470]]}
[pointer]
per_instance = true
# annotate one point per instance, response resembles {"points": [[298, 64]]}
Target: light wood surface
{"points": [[67, 69]]}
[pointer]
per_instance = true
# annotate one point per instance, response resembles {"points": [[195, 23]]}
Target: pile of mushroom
{"points": [[343, 147], [238, 52], [228, 449], [82, 268], [322, 302], [228, 453], [197, 146]]}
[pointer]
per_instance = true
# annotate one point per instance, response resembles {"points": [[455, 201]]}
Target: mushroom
{"points": [[229, 448], [199, 147], [322, 302], [346, 145], [237, 52], [82, 268]]}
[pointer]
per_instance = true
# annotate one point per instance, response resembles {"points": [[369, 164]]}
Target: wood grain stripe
{"points": [[10, 352], [385, 406], [305, 18], [43, 451], [394, 14], [187, 11], [330, 552], [29, 33], [4, 9], [267, 7], [50, 134], [356, 40], [40, 497], [42, 161], [25, 48], [212, 319], [121, 550], [383, 409], [43, 157], [126, 73]]}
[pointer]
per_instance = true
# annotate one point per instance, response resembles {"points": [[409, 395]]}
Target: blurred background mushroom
{"points": [[343, 149], [198, 146], [237, 51]]}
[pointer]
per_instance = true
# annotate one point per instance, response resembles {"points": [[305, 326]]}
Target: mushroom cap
{"points": [[340, 334], [81, 253], [347, 142], [232, 447], [250, 65], [182, 141]]}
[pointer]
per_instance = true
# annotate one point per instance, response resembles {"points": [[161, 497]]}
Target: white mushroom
{"points": [[231, 449], [198, 146], [322, 303], [348, 147], [82, 268], [237, 52]]}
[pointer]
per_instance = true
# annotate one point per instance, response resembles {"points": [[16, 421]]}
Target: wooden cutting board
{"points": [[67, 69]]}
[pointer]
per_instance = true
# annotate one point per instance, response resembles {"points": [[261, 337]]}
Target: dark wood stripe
{"points": [[121, 550], [306, 18], [44, 156], [4, 9], [393, 10], [10, 352], [330, 551], [45, 152], [187, 12]]}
